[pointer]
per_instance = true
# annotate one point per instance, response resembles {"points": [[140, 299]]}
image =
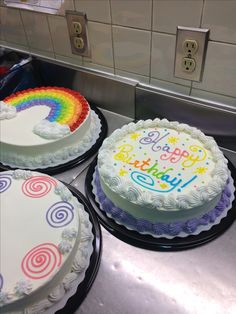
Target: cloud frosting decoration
{"points": [[51, 130], [7, 111]]}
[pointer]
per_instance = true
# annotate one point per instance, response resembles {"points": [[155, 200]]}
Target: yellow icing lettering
{"points": [[199, 154], [124, 153]]}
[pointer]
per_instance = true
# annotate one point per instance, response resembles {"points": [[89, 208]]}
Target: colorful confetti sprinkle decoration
{"points": [[134, 136], [201, 170], [122, 172], [173, 140]]}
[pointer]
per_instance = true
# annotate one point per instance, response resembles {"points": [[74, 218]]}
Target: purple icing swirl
{"points": [[161, 229], [60, 214], [5, 182], [1, 282]]}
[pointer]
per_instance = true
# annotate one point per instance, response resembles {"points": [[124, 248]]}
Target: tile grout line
{"points": [[150, 59], [201, 18], [23, 25], [50, 34], [191, 87], [112, 40]]}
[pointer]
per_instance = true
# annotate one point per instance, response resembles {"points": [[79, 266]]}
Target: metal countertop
{"points": [[138, 281]]}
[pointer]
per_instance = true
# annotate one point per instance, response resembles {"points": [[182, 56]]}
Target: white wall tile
{"points": [[60, 37], [15, 46], [12, 27], [37, 31], [97, 67], [134, 13], [70, 60], [163, 54], [168, 14], [42, 53], [96, 10], [136, 77], [220, 69], [1, 23], [220, 17], [100, 44], [172, 87], [201, 94], [132, 50]]}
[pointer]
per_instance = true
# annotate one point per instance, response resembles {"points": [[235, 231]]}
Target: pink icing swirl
{"points": [[41, 261], [38, 186]]}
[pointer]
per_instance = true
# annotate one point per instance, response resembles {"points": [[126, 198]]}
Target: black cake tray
{"points": [[83, 288], [158, 244], [79, 160]]}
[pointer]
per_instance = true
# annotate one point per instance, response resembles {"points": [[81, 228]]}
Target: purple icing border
{"points": [[172, 229]]}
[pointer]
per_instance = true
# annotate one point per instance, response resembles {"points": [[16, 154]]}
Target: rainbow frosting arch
{"points": [[67, 107]]}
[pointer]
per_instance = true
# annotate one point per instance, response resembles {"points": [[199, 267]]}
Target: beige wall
{"points": [[136, 39]]}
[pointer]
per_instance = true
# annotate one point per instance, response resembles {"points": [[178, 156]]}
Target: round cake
{"points": [[44, 127], [46, 241], [154, 174]]}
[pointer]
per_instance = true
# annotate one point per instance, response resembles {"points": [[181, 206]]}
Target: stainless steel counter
{"points": [[133, 280]]}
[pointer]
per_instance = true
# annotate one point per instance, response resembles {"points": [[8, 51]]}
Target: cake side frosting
{"points": [[157, 228], [162, 166], [42, 226]]}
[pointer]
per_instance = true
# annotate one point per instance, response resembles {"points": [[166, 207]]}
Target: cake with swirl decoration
{"points": [[162, 178], [45, 127], [46, 242]]}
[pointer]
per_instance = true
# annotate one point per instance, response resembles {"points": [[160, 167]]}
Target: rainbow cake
{"points": [[46, 242], [46, 126], [162, 178]]}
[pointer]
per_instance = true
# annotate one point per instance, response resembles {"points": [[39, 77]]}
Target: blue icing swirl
{"points": [[5, 182], [60, 214]]}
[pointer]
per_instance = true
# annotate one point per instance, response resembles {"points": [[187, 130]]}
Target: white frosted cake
{"points": [[45, 127], [155, 175], [46, 241]]}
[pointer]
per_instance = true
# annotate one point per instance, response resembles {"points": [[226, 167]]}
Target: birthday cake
{"points": [[45, 127], [161, 178], [46, 242]]}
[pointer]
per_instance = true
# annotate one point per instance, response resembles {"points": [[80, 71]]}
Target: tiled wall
{"points": [[136, 39]]}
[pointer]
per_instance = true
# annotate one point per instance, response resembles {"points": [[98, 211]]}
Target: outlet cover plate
{"points": [[200, 35], [81, 19]]}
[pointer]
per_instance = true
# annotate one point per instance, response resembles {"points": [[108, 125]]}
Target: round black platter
{"points": [[149, 242], [79, 160], [75, 301]]}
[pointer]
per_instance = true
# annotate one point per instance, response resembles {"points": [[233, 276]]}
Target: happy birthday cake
{"points": [[46, 241], [45, 127], [161, 178]]}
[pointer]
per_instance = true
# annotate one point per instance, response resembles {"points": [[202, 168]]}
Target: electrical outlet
{"points": [[188, 65], [77, 27], [191, 46], [78, 32], [78, 43]]}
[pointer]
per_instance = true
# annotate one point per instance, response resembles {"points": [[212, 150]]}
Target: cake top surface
{"points": [[162, 164], [39, 227], [45, 113]]}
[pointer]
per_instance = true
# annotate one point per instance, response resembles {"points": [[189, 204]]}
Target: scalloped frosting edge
{"points": [[59, 157], [193, 198], [81, 259]]}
